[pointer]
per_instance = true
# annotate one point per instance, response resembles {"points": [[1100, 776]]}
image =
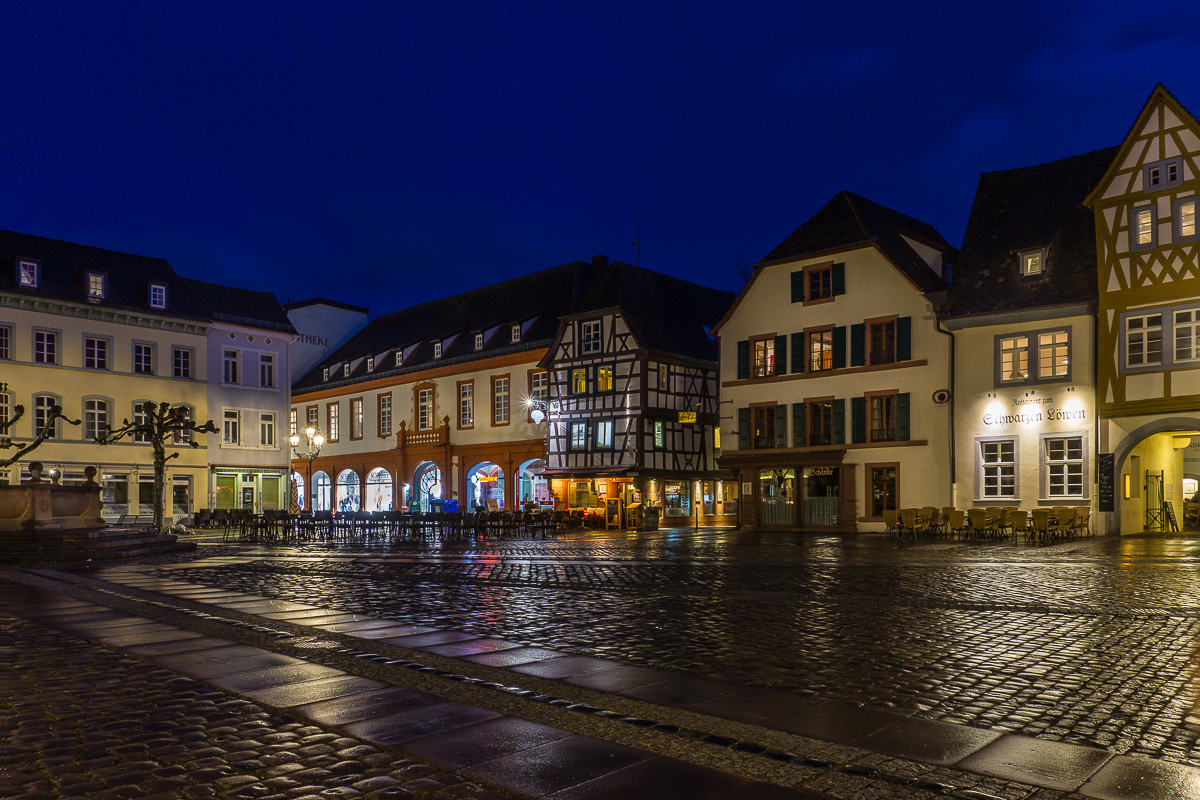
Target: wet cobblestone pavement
{"points": [[1092, 642], [79, 720]]}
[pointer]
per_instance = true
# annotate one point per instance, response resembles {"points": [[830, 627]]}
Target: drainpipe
{"points": [[953, 393]]}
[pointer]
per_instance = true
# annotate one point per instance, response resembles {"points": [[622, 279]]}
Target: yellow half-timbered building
{"points": [[1148, 371]]}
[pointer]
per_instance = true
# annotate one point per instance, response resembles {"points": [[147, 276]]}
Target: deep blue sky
{"points": [[384, 154]]}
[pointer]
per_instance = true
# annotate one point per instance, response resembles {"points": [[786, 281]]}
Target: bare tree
{"points": [[47, 432], [158, 424]]}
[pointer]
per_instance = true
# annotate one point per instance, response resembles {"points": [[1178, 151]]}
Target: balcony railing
{"points": [[820, 439], [883, 435], [764, 442]]}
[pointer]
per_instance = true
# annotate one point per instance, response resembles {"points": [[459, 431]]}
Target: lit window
{"points": [[311, 416], [659, 435], [1014, 358], [1185, 215], [143, 359], [97, 288], [579, 380], [1143, 340], [764, 358], [1143, 227], [604, 378], [292, 422], [425, 410], [998, 468], [466, 405], [95, 353], [332, 421], [356, 418], [158, 295], [1054, 358], [45, 347], [664, 377], [820, 350], [590, 337], [604, 434], [1033, 262], [28, 274], [385, 415], [233, 420]]}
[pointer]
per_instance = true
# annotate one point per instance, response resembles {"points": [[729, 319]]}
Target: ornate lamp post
{"points": [[314, 441]]}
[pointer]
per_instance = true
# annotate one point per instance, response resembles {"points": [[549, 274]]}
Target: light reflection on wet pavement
{"points": [[1092, 642]]}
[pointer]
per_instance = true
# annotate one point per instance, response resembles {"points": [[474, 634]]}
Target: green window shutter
{"points": [[839, 279], [839, 347], [902, 417], [743, 360], [797, 352], [781, 355], [904, 339], [798, 286], [798, 425], [839, 421], [781, 425], [858, 420], [743, 429], [858, 345]]}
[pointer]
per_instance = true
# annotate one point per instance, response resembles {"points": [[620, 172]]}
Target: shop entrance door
{"points": [[1155, 521], [248, 498], [821, 496]]}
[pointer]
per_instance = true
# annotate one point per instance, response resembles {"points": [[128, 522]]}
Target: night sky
{"points": [[384, 154]]}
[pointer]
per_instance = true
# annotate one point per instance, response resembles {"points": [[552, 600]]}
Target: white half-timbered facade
{"points": [[633, 408]]}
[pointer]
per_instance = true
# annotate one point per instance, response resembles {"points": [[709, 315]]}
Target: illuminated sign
{"points": [[1044, 412], [687, 417], [488, 478]]}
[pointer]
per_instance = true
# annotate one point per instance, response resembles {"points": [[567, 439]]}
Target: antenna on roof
{"points": [[638, 243]]}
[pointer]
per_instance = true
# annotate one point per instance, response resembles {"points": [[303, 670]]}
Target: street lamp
{"points": [[540, 409], [314, 441]]}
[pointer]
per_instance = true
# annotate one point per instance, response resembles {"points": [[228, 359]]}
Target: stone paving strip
{"points": [[915, 753]]}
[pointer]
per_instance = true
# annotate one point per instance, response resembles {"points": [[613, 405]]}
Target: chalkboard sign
{"points": [[1106, 479], [1169, 513], [612, 513]]}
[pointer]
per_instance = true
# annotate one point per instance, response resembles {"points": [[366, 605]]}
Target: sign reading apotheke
{"points": [[1034, 410]]}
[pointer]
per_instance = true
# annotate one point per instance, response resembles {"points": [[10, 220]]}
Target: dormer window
{"points": [[158, 295], [516, 334], [28, 274], [345, 369], [437, 349], [370, 363], [1163, 174], [326, 375], [1033, 262], [97, 287], [479, 341], [399, 358]]}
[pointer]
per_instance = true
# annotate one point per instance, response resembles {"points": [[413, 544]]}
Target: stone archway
{"points": [[1147, 474]]}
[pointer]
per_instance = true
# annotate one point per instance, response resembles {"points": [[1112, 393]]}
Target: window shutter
{"points": [[839, 347], [781, 355], [743, 429], [858, 420], [798, 286], [743, 348], [858, 345], [781, 425], [797, 352], [798, 425], [902, 417], [904, 339], [839, 421], [839, 279]]}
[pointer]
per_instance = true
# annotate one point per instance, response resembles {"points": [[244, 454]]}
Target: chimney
{"points": [[599, 262]]}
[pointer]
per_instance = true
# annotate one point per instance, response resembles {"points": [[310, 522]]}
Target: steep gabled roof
{"points": [[666, 314], [1025, 209], [848, 220], [64, 275], [241, 306], [534, 301]]}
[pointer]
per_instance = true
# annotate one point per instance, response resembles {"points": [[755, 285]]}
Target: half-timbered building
{"points": [[633, 405]]}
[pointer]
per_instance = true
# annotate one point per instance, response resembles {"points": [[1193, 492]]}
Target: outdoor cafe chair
{"points": [[908, 521], [1019, 523], [928, 520], [946, 512], [890, 523], [994, 515], [1083, 519], [978, 519], [1041, 524], [957, 522]]}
